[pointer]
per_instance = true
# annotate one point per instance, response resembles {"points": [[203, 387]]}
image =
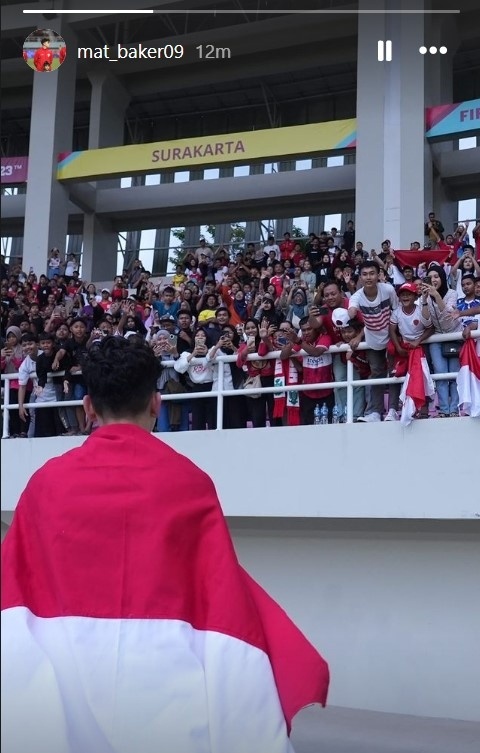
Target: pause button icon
{"points": [[384, 50]]}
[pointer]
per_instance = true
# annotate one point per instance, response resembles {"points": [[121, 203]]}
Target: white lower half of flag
{"points": [[89, 685], [468, 386], [417, 387], [408, 408]]}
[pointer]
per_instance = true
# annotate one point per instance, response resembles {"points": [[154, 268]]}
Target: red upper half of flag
{"points": [[469, 357], [416, 385], [414, 258], [125, 527]]}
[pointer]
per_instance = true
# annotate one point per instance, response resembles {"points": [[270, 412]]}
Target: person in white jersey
{"points": [[407, 331]]}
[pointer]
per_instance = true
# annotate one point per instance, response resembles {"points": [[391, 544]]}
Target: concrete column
{"points": [[16, 250], [223, 232], [284, 224], [252, 227], [192, 233], [316, 223], [390, 180], [162, 252], [99, 263], [162, 236], [349, 158], [439, 91], [109, 101], [133, 237], [47, 200]]}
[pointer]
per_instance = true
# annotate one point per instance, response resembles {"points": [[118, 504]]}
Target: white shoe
{"points": [[392, 415], [370, 418]]}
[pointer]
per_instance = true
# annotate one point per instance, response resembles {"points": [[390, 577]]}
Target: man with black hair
{"points": [[286, 247], [433, 229], [167, 303], [469, 305], [47, 420], [375, 301], [349, 237], [76, 349], [185, 333], [316, 365], [408, 273], [27, 380], [43, 55], [127, 621]]}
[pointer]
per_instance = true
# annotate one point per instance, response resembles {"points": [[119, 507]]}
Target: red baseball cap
{"points": [[409, 287]]}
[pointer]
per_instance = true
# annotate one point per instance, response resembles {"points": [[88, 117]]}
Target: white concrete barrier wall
{"points": [[368, 535], [396, 615], [384, 470]]}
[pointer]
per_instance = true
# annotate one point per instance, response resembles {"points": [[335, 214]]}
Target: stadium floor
{"points": [[339, 730]]}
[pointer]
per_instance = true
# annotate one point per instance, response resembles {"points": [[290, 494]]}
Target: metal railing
{"points": [[220, 393]]}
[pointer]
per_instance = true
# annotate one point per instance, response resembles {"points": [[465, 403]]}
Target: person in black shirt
{"points": [[349, 237], [47, 420], [314, 254], [76, 348]]}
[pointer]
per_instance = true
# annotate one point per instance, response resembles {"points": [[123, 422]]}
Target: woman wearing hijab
{"points": [[11, 358], [298, 307], [240, 305], [268, 311]]}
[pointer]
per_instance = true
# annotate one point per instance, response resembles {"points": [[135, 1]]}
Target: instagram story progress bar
{"points": [[224, 12]]}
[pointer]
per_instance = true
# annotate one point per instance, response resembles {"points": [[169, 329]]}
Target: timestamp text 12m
{"points": [[210, 52]]}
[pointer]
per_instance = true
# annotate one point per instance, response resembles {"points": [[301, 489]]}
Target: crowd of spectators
{"points": [[295, 296]]}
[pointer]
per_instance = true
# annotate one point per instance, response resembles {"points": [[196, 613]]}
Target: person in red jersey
{"points": [[62, 54], [43, 55]]}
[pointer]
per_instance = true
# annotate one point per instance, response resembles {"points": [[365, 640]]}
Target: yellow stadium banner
{"points": [[208, 151]]}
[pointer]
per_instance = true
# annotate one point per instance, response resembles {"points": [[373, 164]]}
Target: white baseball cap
{"points": [[340, 318]]}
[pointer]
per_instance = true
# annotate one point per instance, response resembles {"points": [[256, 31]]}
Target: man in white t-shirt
{"points": [[27, 372], [375, 301], [203, 250], [272, 246]]}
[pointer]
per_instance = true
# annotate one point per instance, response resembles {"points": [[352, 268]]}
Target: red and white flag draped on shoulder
{"points": [[468, 378], [127, 622], [417, 387]]}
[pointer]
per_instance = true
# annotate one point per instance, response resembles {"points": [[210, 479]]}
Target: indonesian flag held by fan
{"points": [[468, 378], [128, 625], [417, 387]]}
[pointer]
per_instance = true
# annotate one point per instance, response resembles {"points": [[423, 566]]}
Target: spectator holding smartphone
{"points": [[11, 358], [234, 408], [466, 264], [257, 406], [287, 372], [173, 415], [439, 308], [198, 368], [297, 307]]}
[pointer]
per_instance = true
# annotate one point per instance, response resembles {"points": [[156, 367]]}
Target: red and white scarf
{"points": [[286, 374]]}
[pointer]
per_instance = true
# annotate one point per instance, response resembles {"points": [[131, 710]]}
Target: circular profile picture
{"points": [[44, 50]]}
